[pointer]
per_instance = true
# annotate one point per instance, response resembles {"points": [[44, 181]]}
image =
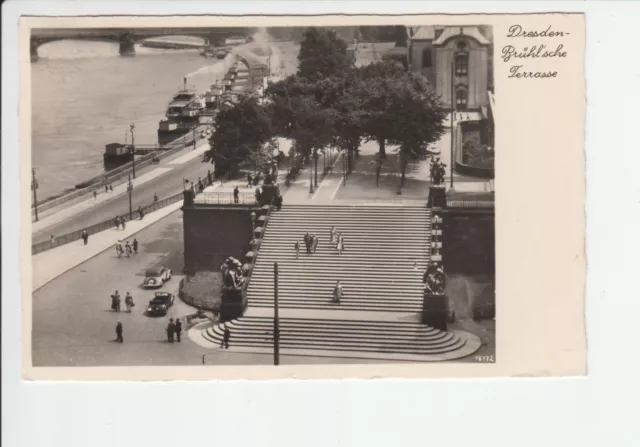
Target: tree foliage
{"points": [[322, 54], [240, 134]]}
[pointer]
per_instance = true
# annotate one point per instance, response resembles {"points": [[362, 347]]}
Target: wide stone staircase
{"points": [[386, 252]]}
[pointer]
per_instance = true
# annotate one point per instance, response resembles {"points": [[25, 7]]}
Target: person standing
{"points": [[123, 222], [249, 180], [307, 242], [170, 329], [106, 188], [225, 339], [119, 338], [117, 222], [127, 248], [236, 193], [178, 329], [338, 293], [297, 247], [332, 236], [340, 245], [85, 236], [95, 195], [140, 212], [135, 245], [315, 243], [110, 187], [258, 196]]}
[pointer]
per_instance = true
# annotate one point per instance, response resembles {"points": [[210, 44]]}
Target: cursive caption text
{"points": [[539, 45]]}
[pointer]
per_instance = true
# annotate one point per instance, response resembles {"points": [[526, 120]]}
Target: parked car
{"points": [[156, 276], [160, 304]]}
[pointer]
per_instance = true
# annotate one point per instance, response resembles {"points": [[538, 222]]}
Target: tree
{"points": [[240, 134], [419, 118], [322, 54]]}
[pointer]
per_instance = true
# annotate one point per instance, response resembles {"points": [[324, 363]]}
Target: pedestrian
{"points": [[178, 329], [106, 188], [123, 222], [52, 240], [236, 193], [115, 298], [170, 328], [110, 187], [117, 223], [279, 202], [95, 195], [258, 195], [128, 302], [85, 236], [315, 243], [119, 332], [249, 180], [338, 293], [297, 247], [225, 339], [340, 245], [127, 247], [200, 185], [140, 212], [135, 245], [332, 236], [119, 250], [155, 198], [307, 242]]}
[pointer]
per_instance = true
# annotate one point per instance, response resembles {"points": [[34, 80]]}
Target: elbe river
{"points": [[85, 95]]}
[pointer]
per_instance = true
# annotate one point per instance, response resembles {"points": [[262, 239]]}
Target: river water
{"points": [[85, 95]]}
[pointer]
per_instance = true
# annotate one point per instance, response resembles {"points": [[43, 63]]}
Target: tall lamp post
{"points": [[34, 187], [453, 111], [344, 168], [130, 191], [276, 320], [133, 151], [311, 173], [315, 162]]}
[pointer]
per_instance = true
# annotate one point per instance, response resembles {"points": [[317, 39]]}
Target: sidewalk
{"points": [[50, 264], [87, 201]]}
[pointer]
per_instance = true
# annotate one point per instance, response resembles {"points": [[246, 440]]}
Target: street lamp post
{"points": [[130, 191], [133, 151], [276, 320], [34, 187], [194, 136], [315, 162], [311, 174], [453, 108], [344, 168]]}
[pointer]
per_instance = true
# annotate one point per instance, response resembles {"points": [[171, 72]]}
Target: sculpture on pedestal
{"points": [[437, 171], [233, 276], [434, 279]]}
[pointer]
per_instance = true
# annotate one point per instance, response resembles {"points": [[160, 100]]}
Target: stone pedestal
{"points": [[437, 196], [233, 304], [435, 311], [189, 196]]}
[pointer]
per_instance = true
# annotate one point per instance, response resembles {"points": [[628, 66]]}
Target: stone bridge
{"points": [[127, 38]]}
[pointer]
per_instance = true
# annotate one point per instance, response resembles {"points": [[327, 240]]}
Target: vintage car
{"points": [[160, 304], [156, 276]]}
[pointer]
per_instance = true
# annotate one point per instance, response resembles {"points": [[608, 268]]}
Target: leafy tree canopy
{"points": [[322, 54]]}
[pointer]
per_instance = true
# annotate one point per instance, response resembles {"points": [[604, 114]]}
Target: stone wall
{"points": [[469, 241], [212, 233]]}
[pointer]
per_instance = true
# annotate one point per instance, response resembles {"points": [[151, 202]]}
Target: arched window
{"points": [[462, 65], [461, 98], [426, 58]]}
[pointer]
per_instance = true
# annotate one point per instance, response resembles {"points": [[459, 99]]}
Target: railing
{"points": [[97, 228], [471, 203], [114, 175], [225, 198]]}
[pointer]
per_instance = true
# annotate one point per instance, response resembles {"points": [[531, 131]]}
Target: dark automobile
{"points": [[160, 303]]}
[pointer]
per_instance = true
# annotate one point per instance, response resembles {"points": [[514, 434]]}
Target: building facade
{"points": [[457, 61]]}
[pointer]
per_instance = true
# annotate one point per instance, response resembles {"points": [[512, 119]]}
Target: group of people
{"points": [[120, 222], [108, 188], [174, 330], [336, 240], [128, 249], [437, 171], [115, 302], [433, 279]]}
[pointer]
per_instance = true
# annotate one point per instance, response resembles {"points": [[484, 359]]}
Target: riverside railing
{"points": [[114, 175], [99, 227]]}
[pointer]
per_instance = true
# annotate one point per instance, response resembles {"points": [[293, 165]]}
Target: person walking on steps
{"points": [[178, 329], [297, 248], [340, 245], [225, 339], [170, 329], [338, 293], [135, 245], [119, 338], [314, 245]]}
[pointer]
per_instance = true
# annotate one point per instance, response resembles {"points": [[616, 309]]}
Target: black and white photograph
{"points": [[264, 196]]}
